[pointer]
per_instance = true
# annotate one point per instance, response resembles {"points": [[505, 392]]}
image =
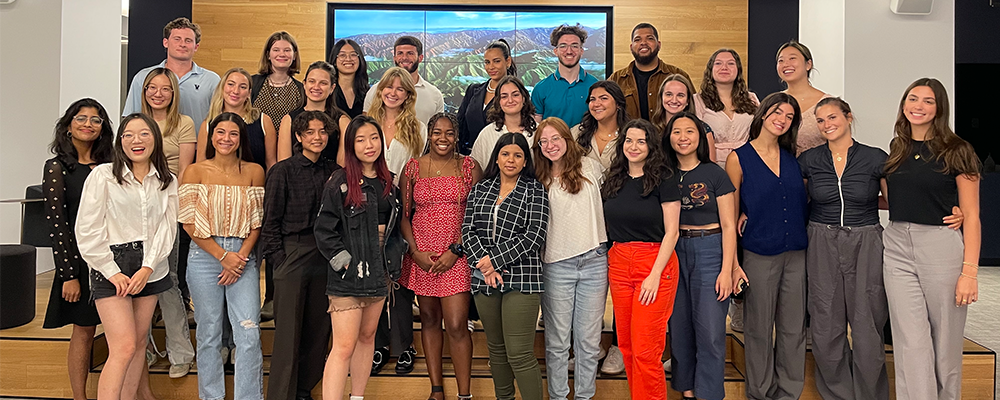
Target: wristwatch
{"points": [[456, 249]]}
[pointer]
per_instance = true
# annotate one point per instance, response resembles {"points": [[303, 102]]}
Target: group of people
{"points": [[358, 198]]}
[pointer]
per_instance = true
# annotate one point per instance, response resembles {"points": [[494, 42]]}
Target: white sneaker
{"points": [[572, 364], [225, 354], [614, 364], [667, 366], [472, 326], [150, 358], [179, 370], [601, 354], [736, 316]]}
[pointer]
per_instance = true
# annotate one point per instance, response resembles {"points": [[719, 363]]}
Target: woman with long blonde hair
{"points": [[394, 108], [233, 95]]}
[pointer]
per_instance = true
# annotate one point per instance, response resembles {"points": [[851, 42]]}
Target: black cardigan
{"points": [[471, 116]]}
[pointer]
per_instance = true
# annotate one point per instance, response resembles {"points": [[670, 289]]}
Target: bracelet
{"points": [[223, 256], [970, 276], [970, 264]]}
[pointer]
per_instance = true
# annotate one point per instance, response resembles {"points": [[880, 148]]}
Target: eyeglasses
{"points": [[574, 46], [166, 90], [82, 119], [351, 55], [142, 135]]}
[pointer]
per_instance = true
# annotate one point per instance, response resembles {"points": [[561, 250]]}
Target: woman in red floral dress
{"points": [[434, 189]]}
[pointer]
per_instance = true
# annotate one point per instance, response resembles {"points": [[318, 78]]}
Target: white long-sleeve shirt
{"points": [[114, 214]]}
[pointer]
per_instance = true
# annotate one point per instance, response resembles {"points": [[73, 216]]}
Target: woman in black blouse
{"points": [[506, 220], [83, 139], [478, 96], [642, 212], [930, 271], [350, 76], [319, 85], [844, 258]]}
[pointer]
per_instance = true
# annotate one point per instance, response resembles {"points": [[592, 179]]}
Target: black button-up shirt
{"points": [[852, 198], [293, 193]]}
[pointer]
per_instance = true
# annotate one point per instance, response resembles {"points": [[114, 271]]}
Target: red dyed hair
{"points": [[352, 165]]}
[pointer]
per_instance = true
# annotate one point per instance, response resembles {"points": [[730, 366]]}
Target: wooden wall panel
{"points": [[234, 31]]}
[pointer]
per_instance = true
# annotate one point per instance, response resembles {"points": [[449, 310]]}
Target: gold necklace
{"points": [[839, 158]]}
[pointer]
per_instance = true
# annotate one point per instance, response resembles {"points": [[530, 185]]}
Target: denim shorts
{"points": [[128, 256]]}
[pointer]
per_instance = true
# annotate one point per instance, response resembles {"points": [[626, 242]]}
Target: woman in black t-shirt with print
{"points": [[929, 270], [706, 250], [642, 211]]}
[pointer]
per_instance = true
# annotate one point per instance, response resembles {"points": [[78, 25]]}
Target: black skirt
{"points": [[61, 312]]}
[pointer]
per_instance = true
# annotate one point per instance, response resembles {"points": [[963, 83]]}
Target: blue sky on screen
{"points": [[352, 22]]}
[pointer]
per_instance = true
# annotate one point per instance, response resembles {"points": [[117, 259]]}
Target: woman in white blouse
{"points": [[725, 103], [125, 229], [512, 111], [575, 269], [395, 111]]}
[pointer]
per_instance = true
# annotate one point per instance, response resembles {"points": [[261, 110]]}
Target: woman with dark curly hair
{"points": [[642, 212], [597, 134], [83, 140], [511, 111]]}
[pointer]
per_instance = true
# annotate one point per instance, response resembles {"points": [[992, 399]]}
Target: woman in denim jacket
{"points": [[357, 230]]}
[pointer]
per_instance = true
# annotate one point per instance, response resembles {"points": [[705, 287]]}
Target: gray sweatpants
{"points": [[775, 302], [845, 287], [922, 266]]}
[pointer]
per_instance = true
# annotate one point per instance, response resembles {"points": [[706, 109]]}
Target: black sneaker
{"points": [[379, 360], [404, 364]]}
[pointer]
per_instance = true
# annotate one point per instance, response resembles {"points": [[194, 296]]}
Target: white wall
{"points": [[869, 55], [885, 52], [53, 53], [30, 36], [821, 27], [91, 53]]}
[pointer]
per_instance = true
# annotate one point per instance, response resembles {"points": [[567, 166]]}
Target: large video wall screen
{"points": [[455, 36]]}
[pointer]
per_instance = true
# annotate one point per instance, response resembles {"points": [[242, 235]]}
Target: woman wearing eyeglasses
{"points": [[83, 140], [350, 77]]}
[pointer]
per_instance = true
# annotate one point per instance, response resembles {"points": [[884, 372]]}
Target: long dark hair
{"points": [[157, 159], [588, 126], [62, 141], [504, 48], [495, 115], [360, 83], [331, 105], [702, 151], [493, 170], [242, 152], [352, 165], [653, 170], [742, 103], [786, 141], [956, 155]]}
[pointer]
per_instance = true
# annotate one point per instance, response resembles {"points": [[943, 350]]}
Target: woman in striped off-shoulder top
{"points": [[221, 207]]}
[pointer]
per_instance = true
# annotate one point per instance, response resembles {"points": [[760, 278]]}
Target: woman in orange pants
{"points": [[642, 213]]}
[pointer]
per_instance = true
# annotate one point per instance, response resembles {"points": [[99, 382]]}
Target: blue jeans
{"points": [[698, 324], [576, 290], [242, 299]]}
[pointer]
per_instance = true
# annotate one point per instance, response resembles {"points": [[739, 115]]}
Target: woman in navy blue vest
{"points": [[772, 196]]}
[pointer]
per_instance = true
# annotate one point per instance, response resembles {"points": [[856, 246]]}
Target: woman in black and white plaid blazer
{"points": [[506, 218]]}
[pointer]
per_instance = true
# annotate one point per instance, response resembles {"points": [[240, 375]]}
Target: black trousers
{"points": [[395, 326], [302, 326]]}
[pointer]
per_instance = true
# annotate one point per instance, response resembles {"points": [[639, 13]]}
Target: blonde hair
{"points": [[407, 125], [249, 112], [173, 113]]}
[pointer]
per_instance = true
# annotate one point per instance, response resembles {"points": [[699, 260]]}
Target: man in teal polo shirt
{"points": [[564, 93]]}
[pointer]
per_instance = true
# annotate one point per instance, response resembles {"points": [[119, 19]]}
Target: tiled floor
{"points": [[983, 324]]}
